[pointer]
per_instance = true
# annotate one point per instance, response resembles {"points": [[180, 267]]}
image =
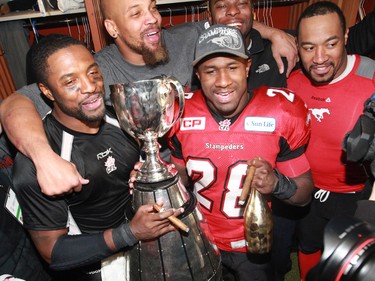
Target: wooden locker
{"points": [[6, 81], [349, 8]]}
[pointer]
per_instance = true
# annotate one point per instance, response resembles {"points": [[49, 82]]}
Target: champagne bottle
{"points": [[258, 221]]}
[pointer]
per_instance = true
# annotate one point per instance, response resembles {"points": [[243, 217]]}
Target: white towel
{"points": [[66, 5], [115, 267]]}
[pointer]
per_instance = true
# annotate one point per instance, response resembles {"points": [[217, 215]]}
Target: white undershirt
{"points": [[348, 69]]}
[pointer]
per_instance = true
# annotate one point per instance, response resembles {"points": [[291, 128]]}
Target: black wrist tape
{"points": [[123, 236], [285, 188]]}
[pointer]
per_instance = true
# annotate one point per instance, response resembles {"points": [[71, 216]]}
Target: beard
{"points": [[321, 79], [151, 57], [154, 58], [80, 114]]}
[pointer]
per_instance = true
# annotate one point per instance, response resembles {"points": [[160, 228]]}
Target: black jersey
{"points": [[17, 253], [264, 70], [105, 158]]}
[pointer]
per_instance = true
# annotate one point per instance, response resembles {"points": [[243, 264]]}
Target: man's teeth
{"points": [[91, 101], [234, 24]]}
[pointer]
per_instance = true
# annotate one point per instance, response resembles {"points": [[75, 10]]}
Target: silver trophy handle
{"points": [[181, 95]]}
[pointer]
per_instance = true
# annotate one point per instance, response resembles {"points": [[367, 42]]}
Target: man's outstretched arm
{"points": [[23, 125], [283, 45]]}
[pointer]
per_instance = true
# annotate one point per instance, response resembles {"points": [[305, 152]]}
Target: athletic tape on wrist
{"points": [[123, 236], [285, 188]]}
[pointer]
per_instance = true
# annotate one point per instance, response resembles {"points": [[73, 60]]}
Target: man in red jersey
{"points": [[223, 126], [334, 86]]}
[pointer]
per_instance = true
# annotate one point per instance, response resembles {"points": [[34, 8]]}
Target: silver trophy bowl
{"points": [[146, 109]]}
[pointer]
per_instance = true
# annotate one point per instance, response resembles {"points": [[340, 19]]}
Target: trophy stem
{"points": [[154, 169]]}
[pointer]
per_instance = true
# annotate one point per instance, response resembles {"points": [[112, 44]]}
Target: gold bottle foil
{"points": [[258, 224]]}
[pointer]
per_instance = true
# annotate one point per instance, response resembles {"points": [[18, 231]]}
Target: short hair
{"points": [[46, 47], [320, 9], [211, 3]]}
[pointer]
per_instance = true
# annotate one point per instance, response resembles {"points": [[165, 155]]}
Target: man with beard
{"points": [[142, 50], [74, 232], [334, 86]]}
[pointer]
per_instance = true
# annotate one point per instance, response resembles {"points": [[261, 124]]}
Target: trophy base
{"points": [[176, 255]]}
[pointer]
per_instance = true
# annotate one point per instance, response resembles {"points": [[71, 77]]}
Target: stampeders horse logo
{"points": [[231, 41], [319, 113]]}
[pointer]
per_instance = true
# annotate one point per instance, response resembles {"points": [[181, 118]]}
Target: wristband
{"points": [[285, 188], [123, 236]]}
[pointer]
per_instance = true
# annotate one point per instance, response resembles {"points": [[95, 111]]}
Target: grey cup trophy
{"points": [[147, 109]]}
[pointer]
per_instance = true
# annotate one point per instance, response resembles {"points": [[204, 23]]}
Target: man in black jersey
{"points": [[18, 257], [82, 131]]}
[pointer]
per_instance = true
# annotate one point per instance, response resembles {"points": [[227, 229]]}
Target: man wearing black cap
{"points": [[222, 127]]}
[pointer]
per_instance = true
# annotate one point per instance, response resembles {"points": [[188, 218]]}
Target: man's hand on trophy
{"points": [[137, 167], [133, 175], [148, 224]]}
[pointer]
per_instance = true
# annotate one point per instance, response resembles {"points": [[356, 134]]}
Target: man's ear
{"points": [[346, 36], [197, 73], [111, 28], [249, 61], [46, 91], [209, 17]]}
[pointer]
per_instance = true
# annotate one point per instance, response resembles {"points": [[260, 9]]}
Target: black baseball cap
{"points": [[220, 38]]}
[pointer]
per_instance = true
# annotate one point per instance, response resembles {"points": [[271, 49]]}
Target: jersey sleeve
{"points": [[39, 212], [294, 129], [295, 121]]}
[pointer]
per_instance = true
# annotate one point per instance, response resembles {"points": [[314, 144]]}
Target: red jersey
{"points": [[334, 110], [274, 125]]}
